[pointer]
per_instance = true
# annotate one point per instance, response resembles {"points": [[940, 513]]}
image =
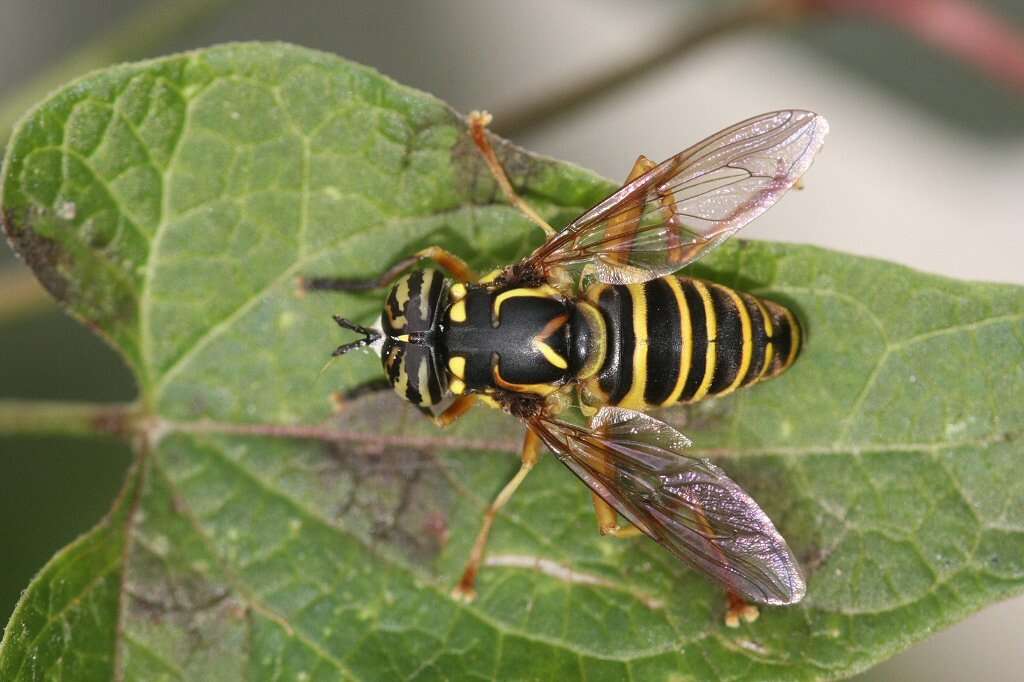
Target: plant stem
{"points": [[690, 35], [334, 433], [28, 417], [136, 36], [125, 421]]}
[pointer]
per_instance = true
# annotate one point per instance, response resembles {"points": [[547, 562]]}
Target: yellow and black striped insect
{"points": [[620, 336]]}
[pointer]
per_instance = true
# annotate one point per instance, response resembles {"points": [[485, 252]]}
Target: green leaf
{"points": [[172, 204]]}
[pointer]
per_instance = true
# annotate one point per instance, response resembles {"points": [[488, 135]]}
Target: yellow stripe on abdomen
{"points": [[634, 398], [686, 341], [711, 354], [746, 341]]}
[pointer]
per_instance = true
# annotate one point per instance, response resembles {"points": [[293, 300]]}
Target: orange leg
{"points": [[341, 399], [454, 265], [623, 533], [624, 223], [459, 407], [478, 122], [737, 609], [466, 589], [607, 517]]}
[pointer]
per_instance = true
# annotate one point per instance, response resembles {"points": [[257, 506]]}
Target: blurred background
{"points": [[924, 166]]}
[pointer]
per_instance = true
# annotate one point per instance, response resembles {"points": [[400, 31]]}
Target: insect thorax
{"points": [[521, 339]]}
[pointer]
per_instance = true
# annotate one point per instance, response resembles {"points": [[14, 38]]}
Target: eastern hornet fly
{"points": [[631, 336]]}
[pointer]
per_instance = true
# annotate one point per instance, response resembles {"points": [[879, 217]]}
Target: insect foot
{"points": [[463, 594], [739, 610]]}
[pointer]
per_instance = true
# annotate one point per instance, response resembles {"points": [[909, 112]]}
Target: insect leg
{"points": [[455, 266], [624, 223], [607, 517], [624, 533], [466, 589], [341, 399], [737, 609], [478, 121], [459, 407]]}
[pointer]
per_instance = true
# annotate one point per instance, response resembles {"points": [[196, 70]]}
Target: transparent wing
{"points": [[687, 205], [687, 505]]}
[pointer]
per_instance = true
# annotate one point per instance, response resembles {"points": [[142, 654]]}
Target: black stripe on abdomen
{"points": [[782, 338], [758, 339], [698, 339], [728, 340], [617, 374], [664, 341]]}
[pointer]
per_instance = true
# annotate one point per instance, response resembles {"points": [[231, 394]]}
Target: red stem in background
{"points": [[966, 30]]}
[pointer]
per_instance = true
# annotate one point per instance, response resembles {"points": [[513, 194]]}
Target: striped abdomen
{"points": [[678, 339]]}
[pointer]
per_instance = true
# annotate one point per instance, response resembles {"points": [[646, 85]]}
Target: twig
{"points": [[27, 417], [967, 30], [334, 434], [128, 422]]}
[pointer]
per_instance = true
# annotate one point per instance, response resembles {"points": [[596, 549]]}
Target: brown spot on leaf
{"points": [[45, 256], [176, 601], [396, 498]]}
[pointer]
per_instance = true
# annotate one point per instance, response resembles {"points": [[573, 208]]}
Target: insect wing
{"points": [[687, 505], [687, 205]]}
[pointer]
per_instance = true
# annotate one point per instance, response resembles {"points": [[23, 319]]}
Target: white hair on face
{"points": [[378, 343]]}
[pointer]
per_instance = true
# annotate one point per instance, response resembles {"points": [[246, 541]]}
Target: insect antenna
{"points": [[369, 336]]}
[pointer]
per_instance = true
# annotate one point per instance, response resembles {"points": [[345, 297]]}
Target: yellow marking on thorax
{"points": [[457, 312], [457, 365], [747, 333], [458, 291], [769, 350], [488, 400], [490, 276], [634, 397], [711, 355], [686, 334], [549, 354], [543, 291], [538, 389], [547, 351]]}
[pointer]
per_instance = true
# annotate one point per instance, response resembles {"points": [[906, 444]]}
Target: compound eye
{"points": [[413, 303], [413, 373]]}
